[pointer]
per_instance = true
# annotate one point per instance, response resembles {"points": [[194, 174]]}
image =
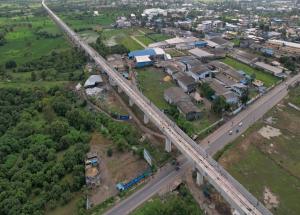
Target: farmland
{"points": [[25, 43], [272, 160], [267, 78]]}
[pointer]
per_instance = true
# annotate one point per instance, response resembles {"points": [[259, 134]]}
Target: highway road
{"points": [[221, 137], [239, 198], [218, 140], [163, 179]]}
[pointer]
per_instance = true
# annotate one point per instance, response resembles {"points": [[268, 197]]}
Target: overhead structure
{"points": [[236, 195]]}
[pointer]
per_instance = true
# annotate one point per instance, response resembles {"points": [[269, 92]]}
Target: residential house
{"points": [[187, 83], [176, 96]]}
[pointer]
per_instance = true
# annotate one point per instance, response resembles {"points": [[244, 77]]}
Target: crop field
{"points": [[23, 44], [267, 78], [270, 153]]}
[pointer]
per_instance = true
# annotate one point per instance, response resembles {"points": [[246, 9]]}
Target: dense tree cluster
{"points": [[185, 125], [105, 50], [56, 66], [41, 153], [43, 141], [207, 91]]}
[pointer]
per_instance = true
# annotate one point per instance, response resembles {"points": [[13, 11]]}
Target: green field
{"points": [[182, 203], [267, 78], [159, 37], [24, 45], [259, 163], [130, 44], [152, 38], [30, 84], [152, 85], [145, 40]]}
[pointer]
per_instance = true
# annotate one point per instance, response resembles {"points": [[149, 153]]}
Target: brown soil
{"points": [[240, 150], [120, 167]]}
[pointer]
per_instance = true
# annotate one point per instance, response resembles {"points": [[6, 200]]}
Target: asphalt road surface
{"points": [[218, 140]]}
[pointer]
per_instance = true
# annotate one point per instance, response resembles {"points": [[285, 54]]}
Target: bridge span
{"points": [[241, 201]]}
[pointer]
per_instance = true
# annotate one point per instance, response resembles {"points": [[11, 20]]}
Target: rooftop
{"points": [[93, 80], [140, 59], [176, 94], [200, 53], [186, 80], [273, 69], [285, 43]]}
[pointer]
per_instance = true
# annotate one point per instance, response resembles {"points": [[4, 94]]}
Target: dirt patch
{"points": [[120, 167], [268, 132], [270, 199], [111, 41], [270, 120], [236, 155]]}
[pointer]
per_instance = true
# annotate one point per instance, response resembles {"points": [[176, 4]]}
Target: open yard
{"points": [[267, 78], [267, 159], [152, 84]]}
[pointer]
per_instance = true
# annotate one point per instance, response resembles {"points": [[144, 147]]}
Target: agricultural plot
{"points": [[270, 153], [25, 43], [267, 78]]}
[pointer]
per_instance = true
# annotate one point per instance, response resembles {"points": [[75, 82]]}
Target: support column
{"points": [[146, 119], [119, 90], [168, 145], [199, 179], [112, 82], [131, 103]]}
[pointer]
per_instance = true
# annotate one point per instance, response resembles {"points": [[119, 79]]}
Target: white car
{"points": [[240, 124], [230, 132]]}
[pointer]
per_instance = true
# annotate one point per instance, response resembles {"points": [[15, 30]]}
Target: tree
{"points": [[220, 105], [109, 152], [245, 96], [58, 129], [207, 91], [10, 64], [33, 76]]}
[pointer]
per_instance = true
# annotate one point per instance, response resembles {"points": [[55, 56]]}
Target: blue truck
{"points": [[125, 186]]}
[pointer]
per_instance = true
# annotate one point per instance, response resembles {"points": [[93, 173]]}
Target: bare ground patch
{"points": [[120, 167], [270, 199]]}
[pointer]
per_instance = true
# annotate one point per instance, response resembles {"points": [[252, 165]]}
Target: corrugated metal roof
{"points": [[93, 80], [141, 59], [145, 52]]}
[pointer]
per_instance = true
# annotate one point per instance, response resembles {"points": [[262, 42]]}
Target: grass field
{"points": [[153, 86], [24, 45], [259, 163], [29, 84], [267, 78], [159, 37], [144, 39], [130, 44], [181, 203], [121, 36]]}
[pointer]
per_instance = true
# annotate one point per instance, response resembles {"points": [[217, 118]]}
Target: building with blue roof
{"points": [[200, 44], [145, 52]]}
